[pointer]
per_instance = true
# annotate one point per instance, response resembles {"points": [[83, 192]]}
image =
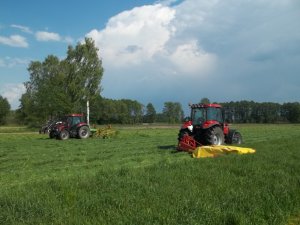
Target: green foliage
{"points": [[204, 101], [84, 73], [254, 112], [109, 111], [139, 178], [62, 86], [4, 110], [292, 112], [173, 112], [150, 115]]}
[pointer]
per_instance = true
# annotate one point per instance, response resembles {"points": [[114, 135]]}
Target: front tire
{"points": [[64, 135], [236, 138], [182, 133], [215, 136], [52, 134]]}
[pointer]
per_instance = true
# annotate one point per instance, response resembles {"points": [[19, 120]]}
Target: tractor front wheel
{"points": [[52, 134], [236, 138], [64, 135], [215, 136], [83, 132], [181, 133]]}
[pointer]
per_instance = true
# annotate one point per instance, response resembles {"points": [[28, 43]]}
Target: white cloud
{"points": [[22, 28], [68, 39], [12, 62], [13, 92], [47, 36], [135, 36], [147, 35], [50, 36], [14, 41], [245, 46], [189, 58]]}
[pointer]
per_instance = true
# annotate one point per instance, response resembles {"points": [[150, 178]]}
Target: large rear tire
{"points": [[83, 132], [215, 136]]}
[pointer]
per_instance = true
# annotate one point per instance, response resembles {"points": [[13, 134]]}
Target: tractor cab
{"points": [[205, 114], [73, 120]]}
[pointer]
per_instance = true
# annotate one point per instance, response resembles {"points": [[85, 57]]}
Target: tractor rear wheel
{"points": [[64, 135], [83, 132], [215, 136]]}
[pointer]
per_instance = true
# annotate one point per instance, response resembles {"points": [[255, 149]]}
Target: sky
{"points": [[160, 51]]}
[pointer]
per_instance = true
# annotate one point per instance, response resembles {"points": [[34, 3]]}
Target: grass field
{"points": [[138, 177]]}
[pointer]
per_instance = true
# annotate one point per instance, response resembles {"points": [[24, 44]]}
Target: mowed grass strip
{"points": [[139, 178]]}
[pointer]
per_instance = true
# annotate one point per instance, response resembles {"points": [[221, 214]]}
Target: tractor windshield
{"points": [[72, 120], [214, 114], [200, 115]]}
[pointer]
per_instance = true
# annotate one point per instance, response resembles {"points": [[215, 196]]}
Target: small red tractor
{"points": [[72, 125], [206, 126]]}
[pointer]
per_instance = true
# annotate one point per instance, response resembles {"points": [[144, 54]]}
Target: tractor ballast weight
{"points": [[206, 126], [72, 125]]}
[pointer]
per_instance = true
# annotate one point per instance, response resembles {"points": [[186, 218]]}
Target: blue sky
{"points": [[158, 51]]}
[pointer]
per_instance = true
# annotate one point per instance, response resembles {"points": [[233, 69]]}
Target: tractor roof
{"points": [[205, 106], [74, 115]]}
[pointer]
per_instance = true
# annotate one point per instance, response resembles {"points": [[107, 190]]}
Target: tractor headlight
{"points": [[190, 128]]}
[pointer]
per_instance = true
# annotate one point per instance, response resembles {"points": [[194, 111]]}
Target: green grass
{"points": [[15, 129], [139, 178]]}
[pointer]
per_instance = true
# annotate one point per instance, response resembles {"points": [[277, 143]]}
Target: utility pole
{"points": [[88, 112]]}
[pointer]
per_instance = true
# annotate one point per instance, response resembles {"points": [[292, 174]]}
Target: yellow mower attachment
{"points": [[217, 150]]}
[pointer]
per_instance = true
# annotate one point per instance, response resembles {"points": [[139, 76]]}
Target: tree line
{"points": [[265, 112], [102, 111], [126, 111]]}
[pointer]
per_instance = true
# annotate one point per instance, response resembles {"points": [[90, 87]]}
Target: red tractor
{"points": [[206, 126], [72, 125]]}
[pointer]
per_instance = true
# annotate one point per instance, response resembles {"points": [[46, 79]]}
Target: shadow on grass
{"points": [[45, 138], [171, 148]]}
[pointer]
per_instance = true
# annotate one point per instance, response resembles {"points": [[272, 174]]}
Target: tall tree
{"points": [[135, 110], [83, 74], [57, 87], [292, 112], [45, 88], [204, 101], [150, 116], [173, 112], [124, 111], [4, 109]]}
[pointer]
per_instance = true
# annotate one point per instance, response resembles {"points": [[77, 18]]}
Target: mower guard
{"points": [[218, 150], [187, 144]]}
